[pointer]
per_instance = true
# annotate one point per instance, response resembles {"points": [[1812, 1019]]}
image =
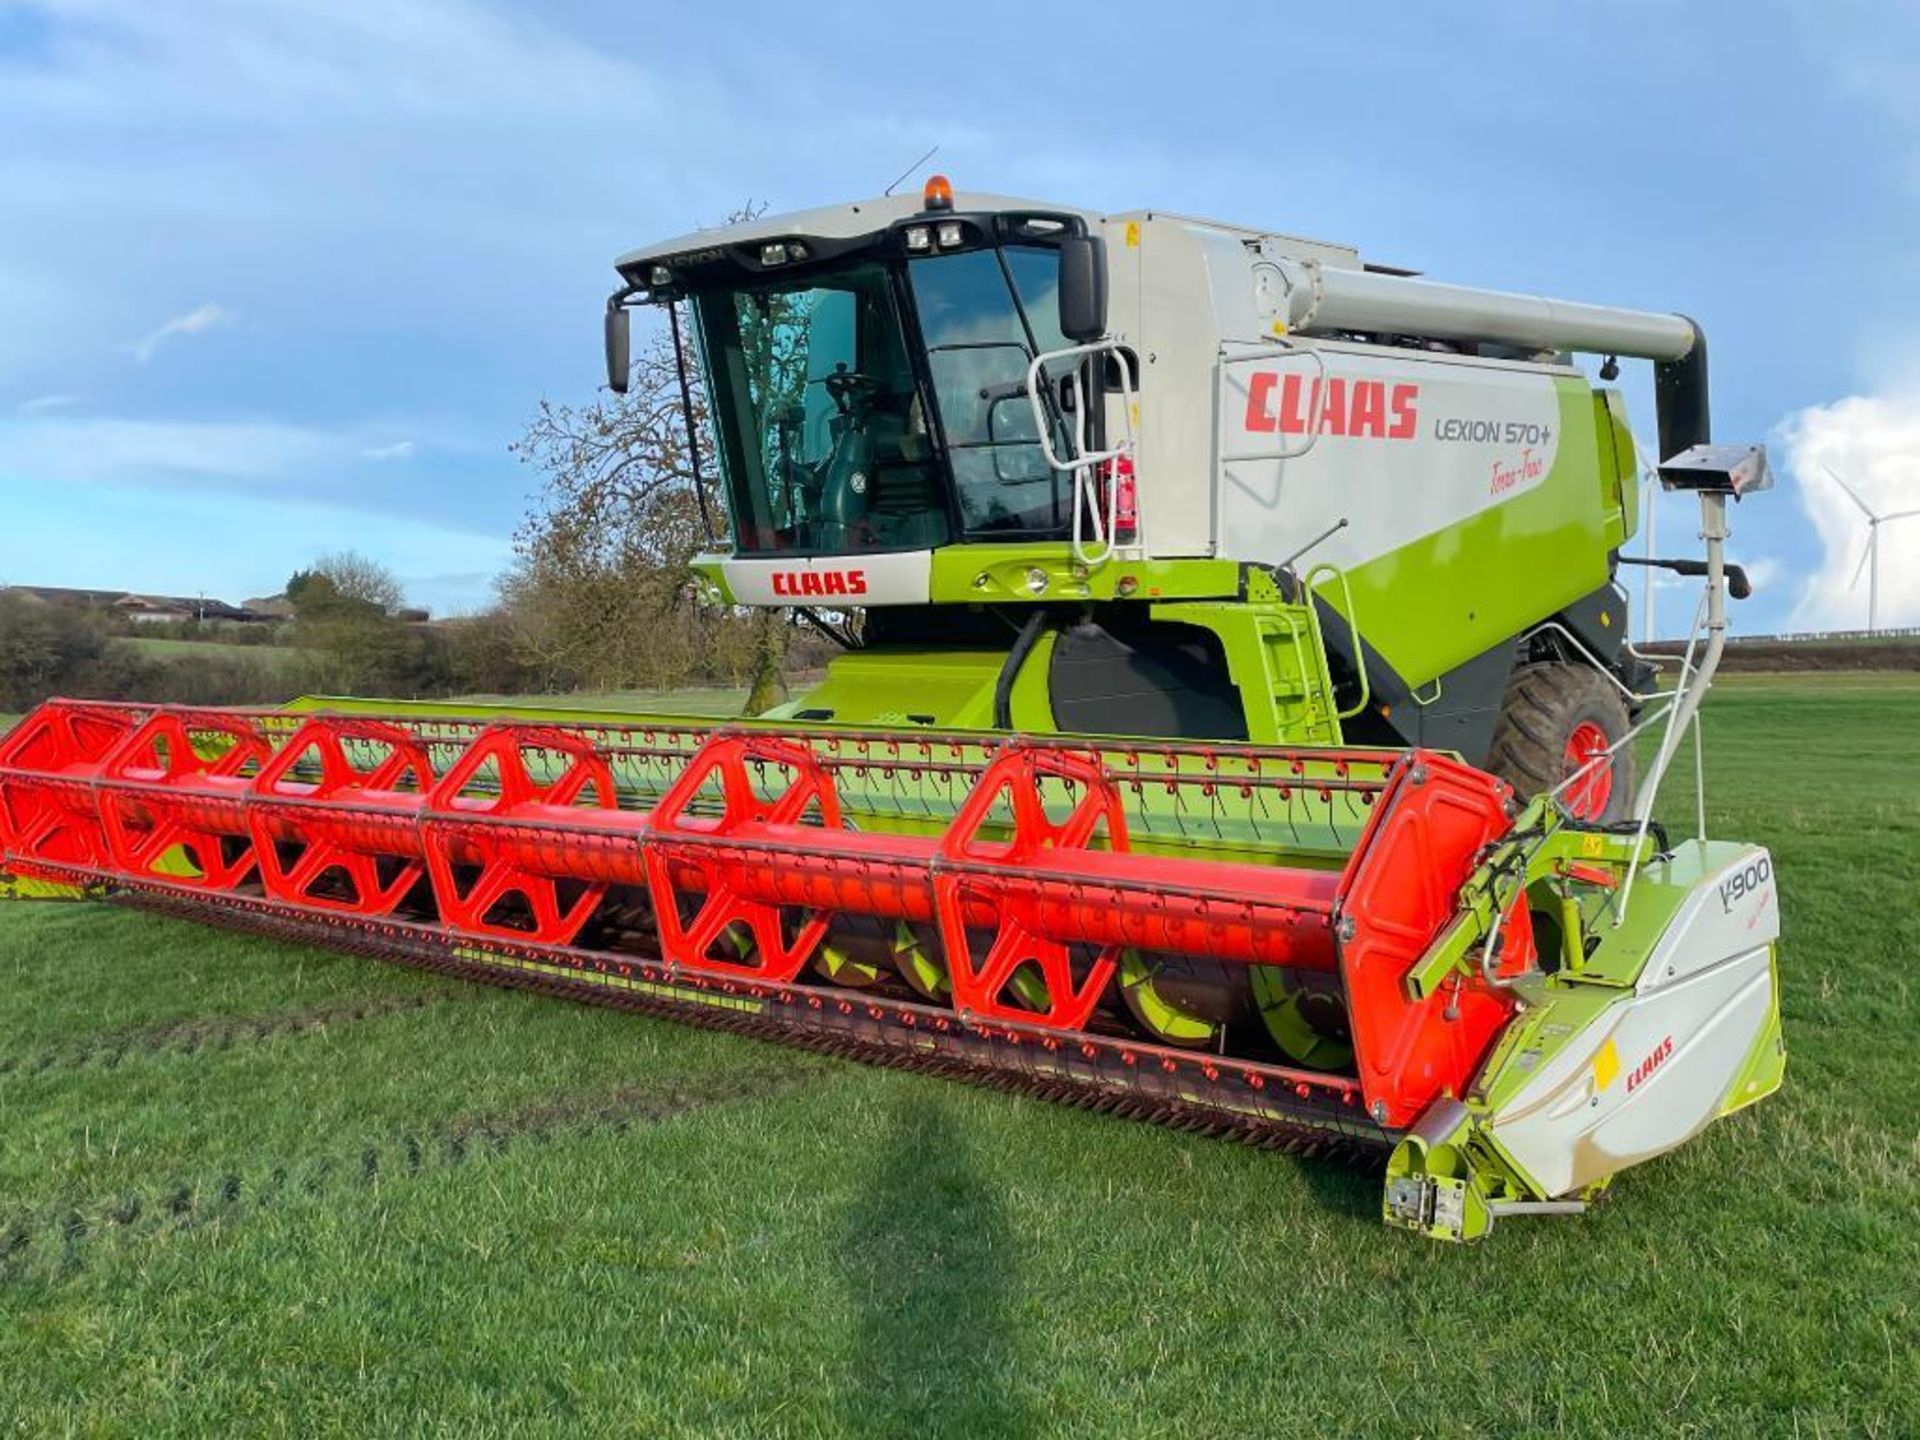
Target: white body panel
{"points": [[1409, 445], [1664, 1062], [1201, 305], [903, 577], [1162, 305], [1181, 296]]}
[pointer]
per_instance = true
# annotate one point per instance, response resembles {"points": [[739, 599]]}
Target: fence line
{"points": [[1814, 637]]}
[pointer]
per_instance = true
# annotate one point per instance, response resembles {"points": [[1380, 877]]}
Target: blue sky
{"points": [[279, 276]]}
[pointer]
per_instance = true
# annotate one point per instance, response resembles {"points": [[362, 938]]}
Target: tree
{"points": [[601, 591], [42, 647], [345, 575], [344, 607]]}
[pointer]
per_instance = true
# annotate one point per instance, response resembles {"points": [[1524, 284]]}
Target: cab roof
{"points": [[837, 222]]}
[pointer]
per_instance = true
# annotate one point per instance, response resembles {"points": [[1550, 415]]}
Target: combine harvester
{"points": [[1335, 546]]}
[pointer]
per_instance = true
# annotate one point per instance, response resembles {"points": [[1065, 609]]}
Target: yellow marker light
{"points": [[1606, 1066]]}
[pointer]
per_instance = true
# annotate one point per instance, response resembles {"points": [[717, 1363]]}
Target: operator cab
{"points": [[866, 369]]}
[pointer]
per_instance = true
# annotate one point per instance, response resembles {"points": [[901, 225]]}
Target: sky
{"points": [[286, 276]]}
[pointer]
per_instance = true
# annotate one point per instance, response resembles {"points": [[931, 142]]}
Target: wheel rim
{"points": [[1587, 797]]}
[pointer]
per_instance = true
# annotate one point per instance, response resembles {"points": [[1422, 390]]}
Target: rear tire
{"points": [[1554, 718]]}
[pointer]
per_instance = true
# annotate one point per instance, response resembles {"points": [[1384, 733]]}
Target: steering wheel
{"points": [[844, 386]]}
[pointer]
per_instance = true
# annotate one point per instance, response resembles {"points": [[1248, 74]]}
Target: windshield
{"points": [[822, 433], [834, 440]]}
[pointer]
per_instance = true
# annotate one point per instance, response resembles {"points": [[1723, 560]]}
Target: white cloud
{"points": [[1764, 572], [93, 450], [1873, 443], [42, 404], [398, 450], [202, 318]]}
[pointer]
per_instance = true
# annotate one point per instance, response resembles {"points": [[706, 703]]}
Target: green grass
{"points": [[254, 1186], [183, 652]]}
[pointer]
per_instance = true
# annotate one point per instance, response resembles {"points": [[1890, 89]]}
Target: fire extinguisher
{"points": [[1126, 517]]}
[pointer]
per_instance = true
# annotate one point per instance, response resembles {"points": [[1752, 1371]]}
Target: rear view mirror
{"points": [[619, 348], [1083, 288]]}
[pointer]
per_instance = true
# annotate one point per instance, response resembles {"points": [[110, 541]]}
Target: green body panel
{"points": [[1765, 1067], [21, 887], [1445, 598], [1274, 657], [904, 688], [1619, 468], [947, 689], [975, 574]]}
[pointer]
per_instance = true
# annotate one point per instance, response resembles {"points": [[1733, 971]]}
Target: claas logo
{"points": [[819, 582], [1653, 1062], [1360, 408]]}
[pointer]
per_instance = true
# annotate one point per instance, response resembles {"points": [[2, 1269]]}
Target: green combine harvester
{"points": [[1235, 725]]}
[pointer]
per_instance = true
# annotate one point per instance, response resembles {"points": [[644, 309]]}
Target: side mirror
{"points": [[619, 348], [1083, 288]]}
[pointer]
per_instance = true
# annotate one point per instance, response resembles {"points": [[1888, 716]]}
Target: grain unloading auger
{"points": [[1289, 911]]}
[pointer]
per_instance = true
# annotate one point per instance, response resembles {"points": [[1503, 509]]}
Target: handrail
{"points": [[1353, 629], [1315, 422], [1082, 461]]}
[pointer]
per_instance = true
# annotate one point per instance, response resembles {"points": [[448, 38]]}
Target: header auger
{"points": [[1293, 907]]}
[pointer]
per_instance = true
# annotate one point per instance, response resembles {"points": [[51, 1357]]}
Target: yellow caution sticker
{"points": [[1606, 1066], [1133, 234], [1593, 846]]}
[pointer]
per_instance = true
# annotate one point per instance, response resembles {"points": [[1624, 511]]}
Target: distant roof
{"points": [[199, 605], [187, 604], [65, 595]]}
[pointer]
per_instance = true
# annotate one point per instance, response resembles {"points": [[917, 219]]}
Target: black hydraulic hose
{"points": [[693, 431], [1738, 585], [833, 633], [1010, 668]]}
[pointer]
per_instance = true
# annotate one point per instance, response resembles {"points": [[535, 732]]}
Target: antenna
{"points": [[931, 152], [1870, 554]]}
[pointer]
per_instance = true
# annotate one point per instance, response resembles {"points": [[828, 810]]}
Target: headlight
{"points": [[951, 234], [774, 254], [919, 238]]}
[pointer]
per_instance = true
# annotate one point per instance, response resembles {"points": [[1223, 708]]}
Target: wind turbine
{"points": [[1870, 557]]}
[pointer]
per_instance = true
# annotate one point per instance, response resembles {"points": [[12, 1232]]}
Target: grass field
{"points": [[187, 652], [250, 1186]]}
